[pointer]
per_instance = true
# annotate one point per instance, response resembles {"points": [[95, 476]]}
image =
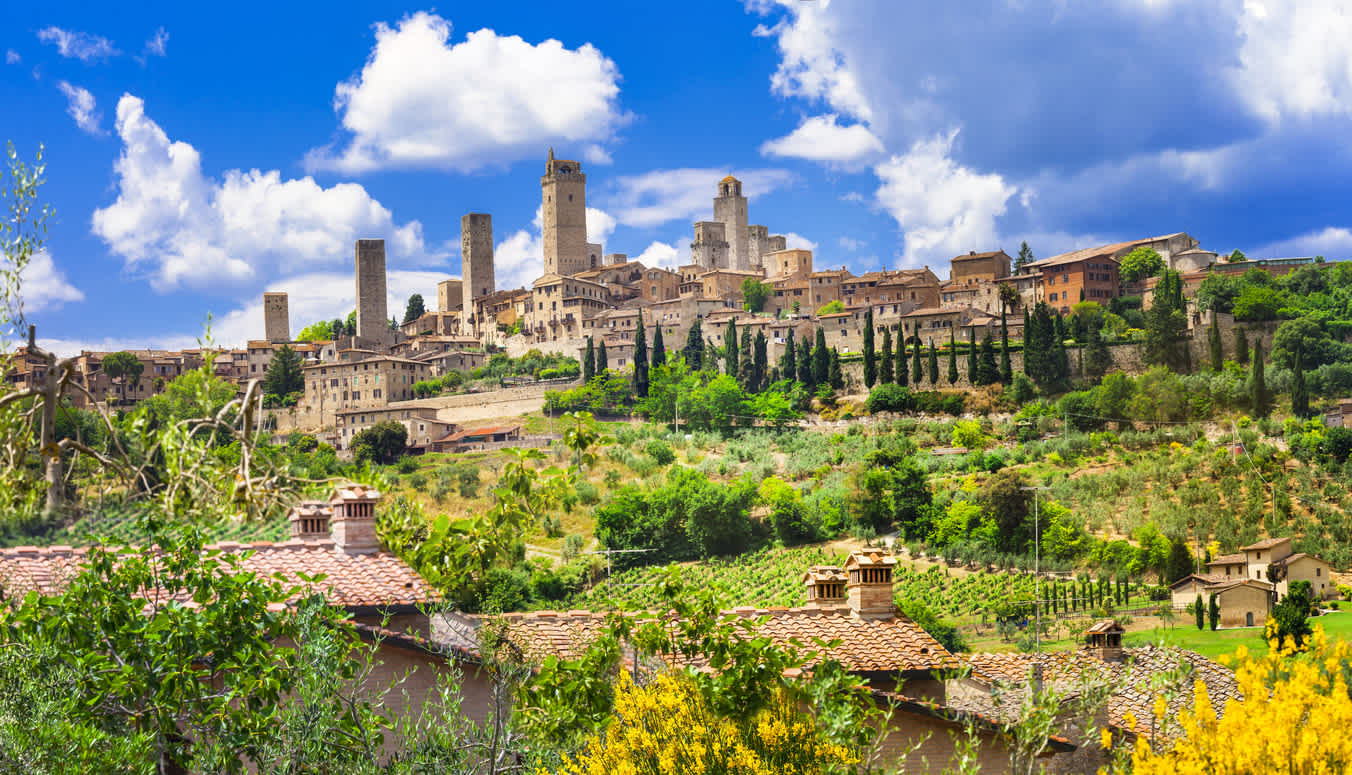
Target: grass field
{"points": [[1213, 644]]}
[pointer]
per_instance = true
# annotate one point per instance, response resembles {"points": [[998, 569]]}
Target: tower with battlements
{"points": [[730, 210], [373, 320], [476, 256], [563, 191], [276, 318]]}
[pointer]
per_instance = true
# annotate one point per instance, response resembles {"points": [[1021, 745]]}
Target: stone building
{"points": [[276, 319], [365, 382], [476, 256], [420, 422], [373, 319], [1081, 275], [450, 295], [564, 215], [710, 250], [730, 210]]}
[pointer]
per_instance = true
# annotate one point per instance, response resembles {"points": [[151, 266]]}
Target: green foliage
{"points": [[1214, 612], [608, 393], [1139, 264], [1166, 323], [284, 375], [589, 362], [694, 347], [889, 488], [414, 309], [894, 398], [821, 360], [831, 308], [1290, 617], [500, 365], [640, 359], [871, 357], [123, 367], [1010, 506], [1259, 397], [319, 331], [382, 443], [688, 517], [1024, 258], [943, 631], [755, 293]]}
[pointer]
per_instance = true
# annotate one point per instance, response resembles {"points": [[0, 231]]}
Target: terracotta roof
{"points": [[1290, 558], [824, 574], [1140, 667], [379, 579], [977, 256], [889, 645], [1205, 578], [1230, 559], [1081, 255], [1241, 582], [1266, 543], [1104, 626], [474, 433]]}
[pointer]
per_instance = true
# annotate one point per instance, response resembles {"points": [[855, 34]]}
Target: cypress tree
{"points": [[1259, 398], [917, 368], [589, 362], [987, 370], [821, 360], [887, 374], [870, 357], [1241, 347], [952, 357], [694, 346], [1214, 612], [659, 348], [1024, 258], [602, 362], [1300, 396], [746, 363], [640, 359], [1027, 327], [788, 366], [1006, 369], [900, 356], [933, 364], [730, 360], [1214, 344], [1060, 360], [759, 361], [972, 375], [1096, 357], [805, 364], [834, 376], [712, 355]]}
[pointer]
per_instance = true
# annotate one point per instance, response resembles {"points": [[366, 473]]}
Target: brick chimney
{"points": [[309, 520], [1104, 640], [870, 583], [354, 520], [825, 586]]}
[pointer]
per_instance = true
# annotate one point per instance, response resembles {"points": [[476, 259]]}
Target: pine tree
{"points": [[805, 364], [283, 376], [788, 367], [746, 362], [1027, 326], [870, 357], [933, 364], [887, 374], [1259, 398], [972, 373], [952, 357], [602, 362], [694, 346], [589, 362], [1300, 396], [1024, 258], [730, 360], [759, 362], [1095, 355], [917, 368], [899, 357], [414, 309], [821, 360], [987, 370], [1214, 343], [1241, 347], [833, 373], [640, 359], [659, 348]]}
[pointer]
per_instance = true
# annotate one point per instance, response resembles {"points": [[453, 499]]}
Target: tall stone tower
{"points": [[276, 317], [476, 257], [373, 320], [564, 198], [730, 210], [710, 248]]}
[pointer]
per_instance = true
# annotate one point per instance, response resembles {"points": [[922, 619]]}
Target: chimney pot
{"points": [[353, 524]]}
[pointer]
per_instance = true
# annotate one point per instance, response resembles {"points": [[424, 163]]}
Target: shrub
{"points": [[661, 452]]}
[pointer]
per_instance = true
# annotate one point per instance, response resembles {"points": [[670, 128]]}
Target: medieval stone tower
{"points": [[564, 199], [476, 257], [730, 210], [373, 321], [710, 248], [276, 317]]}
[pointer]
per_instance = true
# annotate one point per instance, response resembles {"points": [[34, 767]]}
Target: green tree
{"points": [[952, 357], [694, 346], [1216, 351], [414, 309], [589, 362], [1257, 303], [888, 489], [1097, 360], [831, 308], [1139, 264], [1009, 296], [316, 332], [917, 368], [834, 376], [659, 356], [1290, 617], [887, 372], [755, 293], [746, 362], [640, 359], [1241, 347], [1259, 398], [284, 375], [1179, 563], [123, 367], [1199, 611], [1005, 501], [821, 360], [602, 360], [382, 443], [1024, 258], [1214, 612], [973, 364], [933, 364], [731, 361], [1300, 395], [759, 362], [1166, 324], [870, 357], [987, 371], [806, 373], [899, 366], [788, 361], [1236, 257]]}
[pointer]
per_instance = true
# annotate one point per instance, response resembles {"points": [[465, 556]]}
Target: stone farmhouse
{"points": [[1248, 583]]}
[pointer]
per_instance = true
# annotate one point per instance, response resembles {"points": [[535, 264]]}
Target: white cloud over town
{"points": [[665, 195], [74, 44], [81, 106], [822, 139], [423, 101]]}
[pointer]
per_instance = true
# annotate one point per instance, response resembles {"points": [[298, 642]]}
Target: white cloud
{"points": [[660, 196], [1295, 59], [811, 65], [659, 254], [419, 102], [42, 286], [943, 208], [519, 259], [600, 225], [821, 139], [12, 57], [850, 244], [73, 44], [158, 43], [185, 229], [1333, 242], [852, 196], [595, 154], [81, 106], [798, 242]]}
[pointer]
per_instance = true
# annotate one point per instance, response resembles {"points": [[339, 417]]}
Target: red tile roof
{"points": [[1266, 543], [351, 581]]}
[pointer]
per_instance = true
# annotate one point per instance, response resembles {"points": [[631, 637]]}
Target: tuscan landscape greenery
{"points": [[721, 476]]}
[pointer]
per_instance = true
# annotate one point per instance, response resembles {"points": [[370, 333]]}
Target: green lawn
{"points": [[1213, 644]]}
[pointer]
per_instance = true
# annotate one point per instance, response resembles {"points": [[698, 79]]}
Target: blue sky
{"points": [[196, 160]]}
